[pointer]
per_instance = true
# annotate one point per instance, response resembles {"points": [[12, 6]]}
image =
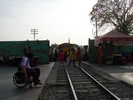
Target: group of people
{"points": [[119, 59], [4, 60], [72, 56]]}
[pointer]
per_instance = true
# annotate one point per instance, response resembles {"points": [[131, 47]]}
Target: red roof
{"points": [[115, 36]]}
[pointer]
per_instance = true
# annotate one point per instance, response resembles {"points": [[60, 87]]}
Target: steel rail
{"points": [[72, 88], [112, 94]]}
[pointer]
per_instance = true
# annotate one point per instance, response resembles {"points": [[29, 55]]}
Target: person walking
{"points": [[61, 57], [79, 56], [68, 61], [68, 57], [73, 56], [99, 54]]}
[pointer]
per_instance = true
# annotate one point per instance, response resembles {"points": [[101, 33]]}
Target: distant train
{"points": [[65, 47]]}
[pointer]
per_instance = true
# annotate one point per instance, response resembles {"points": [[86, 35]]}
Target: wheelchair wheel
{"points": [[19, 79]]}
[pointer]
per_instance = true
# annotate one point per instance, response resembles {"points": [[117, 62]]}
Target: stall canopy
{"points": [[115, 36]]}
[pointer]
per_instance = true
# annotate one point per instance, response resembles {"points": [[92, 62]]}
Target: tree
{"points": [[118, 13], [54, 45]]}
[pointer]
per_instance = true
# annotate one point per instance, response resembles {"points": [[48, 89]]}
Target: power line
{"points": [[15, 17]]}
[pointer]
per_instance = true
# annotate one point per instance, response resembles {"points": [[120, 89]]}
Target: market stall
{"points": [[112, 43]]}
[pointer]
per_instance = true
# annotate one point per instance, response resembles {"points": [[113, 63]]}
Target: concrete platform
{"points": [[122, 72], [8, 91]]}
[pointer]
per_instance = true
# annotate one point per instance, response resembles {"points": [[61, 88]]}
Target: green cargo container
{"points": [[40, 49], [92, 51]]}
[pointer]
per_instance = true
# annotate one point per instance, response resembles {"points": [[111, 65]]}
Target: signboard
{"points": [[97, 41], [122, 42]]}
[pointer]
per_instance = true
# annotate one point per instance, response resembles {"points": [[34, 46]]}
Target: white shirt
{"points": [[25, 62]]}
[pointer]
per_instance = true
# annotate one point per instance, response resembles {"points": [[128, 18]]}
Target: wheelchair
{"points": [[20, 81]]}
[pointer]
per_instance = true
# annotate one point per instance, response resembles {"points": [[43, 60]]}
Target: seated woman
{"points": [[2, 59], [28, 71], [11, 59]]}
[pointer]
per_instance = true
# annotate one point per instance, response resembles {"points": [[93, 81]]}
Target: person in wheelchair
{"points": [[28, 71]]}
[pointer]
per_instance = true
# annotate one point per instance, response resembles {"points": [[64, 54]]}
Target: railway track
{"points": [[73, 83], [86, 87], [120, 88]]}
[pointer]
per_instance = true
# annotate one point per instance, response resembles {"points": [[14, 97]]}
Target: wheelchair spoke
{"points": [[19, 79]]}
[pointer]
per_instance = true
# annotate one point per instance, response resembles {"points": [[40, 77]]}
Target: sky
{"points": [[56, 20]]}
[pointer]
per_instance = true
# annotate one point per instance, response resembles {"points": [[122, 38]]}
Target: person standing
{"points": [[29, 50], [79, 56], [11, 59], [2, 59], [68, 57], [99, 54], [68, 61], [25, 51], [73, 56], [55, 55], [61, 56]]}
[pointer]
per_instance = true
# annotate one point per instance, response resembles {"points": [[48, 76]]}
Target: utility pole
{"points": [[34, 31], [96, 26], [96, 19]]}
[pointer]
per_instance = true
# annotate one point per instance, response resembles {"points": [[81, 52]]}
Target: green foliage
{"points": [[54, 46], [118, 13]]}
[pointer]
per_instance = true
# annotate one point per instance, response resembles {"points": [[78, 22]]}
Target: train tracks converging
{"points": [[85, 86], [83, 83]]}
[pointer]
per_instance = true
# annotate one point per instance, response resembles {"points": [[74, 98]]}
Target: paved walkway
{"points": [[122, 72], [8, 91]]}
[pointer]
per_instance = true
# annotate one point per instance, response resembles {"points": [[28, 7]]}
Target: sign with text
{"points": [[97, 40], [122, 42]]}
